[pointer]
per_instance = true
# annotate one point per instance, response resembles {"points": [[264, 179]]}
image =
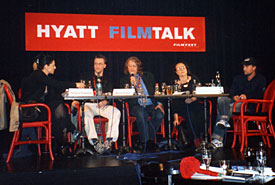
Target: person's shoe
{"points": [[107, 144], [76, 134], [217, 143], [100, 148], [151, 145], [223, 123]]}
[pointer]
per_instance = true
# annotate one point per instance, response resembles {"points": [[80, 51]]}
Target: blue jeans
{"points": [[147, 130], [225, 108]]}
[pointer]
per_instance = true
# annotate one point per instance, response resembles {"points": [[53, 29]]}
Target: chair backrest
{"points": [[8, 93], [269, 95]]}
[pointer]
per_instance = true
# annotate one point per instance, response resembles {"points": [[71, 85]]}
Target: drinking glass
{"points": [[175, 88], [224, 164], [206, 158], [249, 156], [84, 82], [126, 86], [169, 90], [163, 88], [261, 160]]}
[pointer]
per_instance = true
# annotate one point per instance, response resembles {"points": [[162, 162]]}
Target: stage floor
{"points": [[129, 168]]}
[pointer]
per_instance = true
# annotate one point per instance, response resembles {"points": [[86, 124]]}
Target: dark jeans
{"points": [[61, 121], [146, 129], [194, 120], [225, 108]]}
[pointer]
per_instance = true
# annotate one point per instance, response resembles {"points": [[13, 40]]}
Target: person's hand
{"points": [[75, 103], [80, 85], [190, 100], [160, 106], [133, 80], [243, 97], [102, 104], [176, 119], [236, 98]]}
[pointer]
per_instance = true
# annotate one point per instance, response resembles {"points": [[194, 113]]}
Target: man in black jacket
{"points": [[101, 108], [249, 85], [141, 108]]}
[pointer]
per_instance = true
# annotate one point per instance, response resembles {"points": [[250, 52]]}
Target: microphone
{"points": [[131, 79]]}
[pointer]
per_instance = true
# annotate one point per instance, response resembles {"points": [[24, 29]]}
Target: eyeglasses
{"points": [[132, 65], [180, 68]]}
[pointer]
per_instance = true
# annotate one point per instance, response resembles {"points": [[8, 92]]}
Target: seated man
{"points": [[101, 108], [249, 85]]}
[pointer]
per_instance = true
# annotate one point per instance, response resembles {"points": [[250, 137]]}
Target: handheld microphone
{"points": [[131, 80]]}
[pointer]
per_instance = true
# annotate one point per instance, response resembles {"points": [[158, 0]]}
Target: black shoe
{"points": [[65, 151], [152, 146], [139, 148]]}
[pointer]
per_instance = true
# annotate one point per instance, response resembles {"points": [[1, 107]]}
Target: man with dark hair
{"points": [[249, 85], [101, 108]]}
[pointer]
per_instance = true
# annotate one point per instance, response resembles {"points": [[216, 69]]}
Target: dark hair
{"points": [[36, 59], [187, 67], [101, 56], [43, 60], [138, 63]]}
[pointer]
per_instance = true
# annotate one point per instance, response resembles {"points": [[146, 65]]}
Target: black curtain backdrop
{"points": [[234, 30]]}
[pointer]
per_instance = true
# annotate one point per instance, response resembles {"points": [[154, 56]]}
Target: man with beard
{"points": [[249, 85]]}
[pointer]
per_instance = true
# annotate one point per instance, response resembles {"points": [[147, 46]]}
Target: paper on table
{"points": [[200, 176]]}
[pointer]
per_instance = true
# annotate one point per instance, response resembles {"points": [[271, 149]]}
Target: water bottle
{"points": [[194, 86], [218, 79], [90, 84], [261, 157], [98, 87], [157, 89]]}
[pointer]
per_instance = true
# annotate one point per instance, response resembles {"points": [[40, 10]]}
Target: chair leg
{"points": [[13, 143], [116, 146], [130, 134], [271, 129], [38, 133], [235, 130], [266, 134], [243, 135]]}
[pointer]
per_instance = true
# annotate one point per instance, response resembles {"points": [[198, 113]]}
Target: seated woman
{"points": [[190, 109], [35, 88]]}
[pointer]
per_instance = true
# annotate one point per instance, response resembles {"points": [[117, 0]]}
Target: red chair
{"points": [[97, 120], [175, 130], [243, 120], [46, 139], [132, 119]]}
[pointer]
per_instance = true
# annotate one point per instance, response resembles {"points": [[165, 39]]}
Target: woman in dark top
{"points": [[190, 109], [35, 88]]}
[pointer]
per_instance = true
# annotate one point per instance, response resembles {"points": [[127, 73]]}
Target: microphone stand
{"points": [[124, 149]]}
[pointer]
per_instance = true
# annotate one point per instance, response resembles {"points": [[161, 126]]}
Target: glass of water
{"points": [[206, 159], [224, 164]]}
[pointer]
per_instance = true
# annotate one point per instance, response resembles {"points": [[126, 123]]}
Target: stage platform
{"points": [[129, 168]]}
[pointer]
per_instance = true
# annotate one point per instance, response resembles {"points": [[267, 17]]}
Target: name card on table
{"points": [[209, 90], [80, 92], [123, 92]]}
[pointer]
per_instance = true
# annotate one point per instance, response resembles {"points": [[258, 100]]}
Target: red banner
{"points": [[82, 32]]}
